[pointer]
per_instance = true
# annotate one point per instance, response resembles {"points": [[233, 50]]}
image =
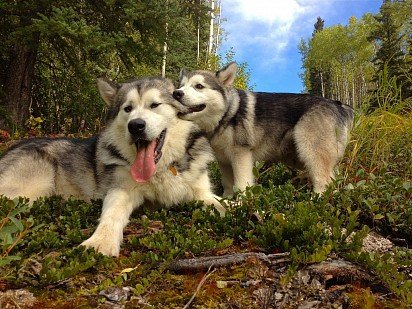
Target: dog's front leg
{"points": [[242, 165], [203, 192], [117, 208]]}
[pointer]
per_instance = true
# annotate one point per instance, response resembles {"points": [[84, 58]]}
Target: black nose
{"points": [[178, 94], [136, 126]]}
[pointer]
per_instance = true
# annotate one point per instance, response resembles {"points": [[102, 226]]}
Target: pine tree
{"points": [[52, 51], [318, 79], [390, 55]]}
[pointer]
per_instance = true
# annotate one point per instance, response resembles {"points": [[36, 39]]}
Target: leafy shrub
{"points": [[13, 227]]}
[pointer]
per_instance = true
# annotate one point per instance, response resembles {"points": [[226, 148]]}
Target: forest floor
{"points": [[280, 247]]}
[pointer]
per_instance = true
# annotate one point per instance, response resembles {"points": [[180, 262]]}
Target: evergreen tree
{"points": [[319, 25], [318, 79], [52, 51], [391, 53]]}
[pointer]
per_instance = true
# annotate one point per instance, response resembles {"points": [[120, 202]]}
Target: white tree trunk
{"points": [[322, 85], [211, 31], [164, 53], [218, 26], [198, 43]]}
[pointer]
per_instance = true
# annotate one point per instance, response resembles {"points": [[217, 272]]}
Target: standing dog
{"points": [[304, 132], [145, 153]]}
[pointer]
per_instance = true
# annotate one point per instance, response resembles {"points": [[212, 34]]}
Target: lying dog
{"points": [[145, 153]]}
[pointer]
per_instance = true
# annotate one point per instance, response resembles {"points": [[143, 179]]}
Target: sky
{"points": [[265, 34]]}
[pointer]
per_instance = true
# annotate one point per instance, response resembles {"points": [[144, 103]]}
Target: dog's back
{"points": [[45, 166], [281, 117]]}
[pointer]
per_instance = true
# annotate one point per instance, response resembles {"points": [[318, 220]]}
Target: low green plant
{"points": [[372, 193], [14, 227]]}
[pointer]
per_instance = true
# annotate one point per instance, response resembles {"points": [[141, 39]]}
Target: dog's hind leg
{"points": [[24, 179], [227, 179], [317, 148], [320, 173]]}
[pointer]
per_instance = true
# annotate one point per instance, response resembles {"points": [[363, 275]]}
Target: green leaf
{"points": [[17, 223], [8, 259], [378, 217]]}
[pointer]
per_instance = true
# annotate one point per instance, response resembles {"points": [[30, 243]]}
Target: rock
{"points": [[116, 294], [308, 305], [374, 242]]}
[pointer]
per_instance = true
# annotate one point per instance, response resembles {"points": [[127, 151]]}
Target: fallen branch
{"points": [[202, 263]]}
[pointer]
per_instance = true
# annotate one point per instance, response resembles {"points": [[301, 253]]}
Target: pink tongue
{"points": [[144, 165]]}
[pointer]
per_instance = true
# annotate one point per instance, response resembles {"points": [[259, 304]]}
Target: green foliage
{"points": [[386, 267], [13, 228], [341, 57], [360, 62], [73, 42], [374, 191], [380, 170], [70, 262], [390, 61]]}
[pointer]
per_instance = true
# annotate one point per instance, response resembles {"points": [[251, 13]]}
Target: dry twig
{"points": [[197, 264], [207, 275]]}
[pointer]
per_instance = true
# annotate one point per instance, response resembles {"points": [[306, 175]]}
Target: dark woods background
{"points": [[52, 52]]}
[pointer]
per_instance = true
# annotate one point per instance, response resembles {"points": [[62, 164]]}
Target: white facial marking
{"points": [[157, 119], [150, 96], [132, 97], [189, 90]]}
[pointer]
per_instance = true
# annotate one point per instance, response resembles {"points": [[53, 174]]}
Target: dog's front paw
{"points": [[105, 246], [215, 202]]}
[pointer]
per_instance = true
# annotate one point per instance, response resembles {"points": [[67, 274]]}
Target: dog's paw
{"points": [[215, 202], [103, 245], [221, 210]]}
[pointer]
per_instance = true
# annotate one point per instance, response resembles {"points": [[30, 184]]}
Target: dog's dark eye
{"points": [[128, 109], [154, 105], [199, 86]]}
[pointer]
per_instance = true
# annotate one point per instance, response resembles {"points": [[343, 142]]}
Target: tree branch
{"points": [[202, 263]]}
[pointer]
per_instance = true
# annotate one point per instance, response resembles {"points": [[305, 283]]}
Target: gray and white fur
{"points": [[142, 118], [304, 132]]}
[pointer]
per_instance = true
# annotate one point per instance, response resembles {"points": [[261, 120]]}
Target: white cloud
{"points": [[269, 27], [267, 11]]}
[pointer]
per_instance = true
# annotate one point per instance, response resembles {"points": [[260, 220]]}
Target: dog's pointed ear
{"points": [[183, 72], [227, 75], [108, 89]]}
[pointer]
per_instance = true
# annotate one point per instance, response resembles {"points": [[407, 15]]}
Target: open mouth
{"points": [[193, 109], [147, 156], [142, 144]]}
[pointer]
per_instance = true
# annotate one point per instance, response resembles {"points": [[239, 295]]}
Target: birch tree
{"points": [[345, 54]]}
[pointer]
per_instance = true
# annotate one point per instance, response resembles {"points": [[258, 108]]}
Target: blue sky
{"points": [[266, 33]]}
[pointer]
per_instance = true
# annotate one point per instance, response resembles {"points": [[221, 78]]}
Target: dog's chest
{"points": [[167, 188]]}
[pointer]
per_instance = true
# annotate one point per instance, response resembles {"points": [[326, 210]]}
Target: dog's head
{"points": [[203, 95], [141, 111]]}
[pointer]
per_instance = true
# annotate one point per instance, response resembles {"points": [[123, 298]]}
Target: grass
{"points": [[373, 192]]}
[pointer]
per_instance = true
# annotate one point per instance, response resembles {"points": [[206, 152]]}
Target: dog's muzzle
{"points": [[192, 109]]}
